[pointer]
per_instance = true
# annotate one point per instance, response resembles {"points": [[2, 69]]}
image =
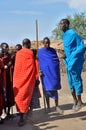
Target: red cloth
{"points": [[37, 75], [1, 104], [9, 86], [37, 69], [24, 79], [2, 77]]}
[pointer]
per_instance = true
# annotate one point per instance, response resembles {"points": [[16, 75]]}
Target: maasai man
{"points": [[50, 72], [24, 79], [13, 55], [18, 47], [9, 88], [74, 58], [35, 103], [1, 85]]}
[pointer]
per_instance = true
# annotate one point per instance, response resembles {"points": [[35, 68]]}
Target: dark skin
{"points": [[5, 48], [18, 47], [46, 43], [26, 43], [1, 52], [64, 26]]}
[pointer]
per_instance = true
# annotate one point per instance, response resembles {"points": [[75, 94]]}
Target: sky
{"points": [[18, 17]]}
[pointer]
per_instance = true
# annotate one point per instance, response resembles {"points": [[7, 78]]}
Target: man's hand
{"points": [[41, 73]]}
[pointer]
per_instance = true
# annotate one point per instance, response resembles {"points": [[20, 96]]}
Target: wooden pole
{"points": [[44, 98], [41, 77], [37, 34]]}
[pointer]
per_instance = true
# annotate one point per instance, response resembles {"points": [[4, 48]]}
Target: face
{"points": [[1, 51], [5, 48], [63, 25], [17, 48], [46, 43]]}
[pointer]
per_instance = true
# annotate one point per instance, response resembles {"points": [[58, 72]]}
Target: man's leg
{"points": [[58, 109], [1, 120], [80, 104], [79, 99], [48, 102], [56, 102], [75, 100], [8, 111], [21, 120]]}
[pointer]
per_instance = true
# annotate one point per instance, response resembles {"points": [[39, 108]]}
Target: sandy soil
{"points": [[40, 120]]}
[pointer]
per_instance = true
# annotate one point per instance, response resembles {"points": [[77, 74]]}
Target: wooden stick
{"points": [[41, 78], [37, 34], [44, 99]]}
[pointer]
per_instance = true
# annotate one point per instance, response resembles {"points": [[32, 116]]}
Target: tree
{"points": [[77, 22]]}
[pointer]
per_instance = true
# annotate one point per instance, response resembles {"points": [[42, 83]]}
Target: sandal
{"points": [[79, 106], [59, 110]]}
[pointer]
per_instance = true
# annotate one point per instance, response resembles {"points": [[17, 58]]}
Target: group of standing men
{"points": [[6, 79], [28, 68]]}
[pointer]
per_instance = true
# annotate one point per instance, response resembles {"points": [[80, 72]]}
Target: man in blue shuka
{"points": [[74, 58], [49, 72]]}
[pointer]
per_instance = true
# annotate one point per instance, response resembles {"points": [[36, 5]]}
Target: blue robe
{"points": [[49, 65], [74, 50]]}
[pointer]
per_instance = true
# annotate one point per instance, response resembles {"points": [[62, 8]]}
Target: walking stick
{"points": [[37, 34], [41, 77], [44, 99]]}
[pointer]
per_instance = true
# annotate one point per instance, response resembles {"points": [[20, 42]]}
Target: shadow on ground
{"points": [[40, 118]]}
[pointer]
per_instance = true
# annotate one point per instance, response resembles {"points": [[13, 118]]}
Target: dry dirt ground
{"points": [[40, 120]]}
